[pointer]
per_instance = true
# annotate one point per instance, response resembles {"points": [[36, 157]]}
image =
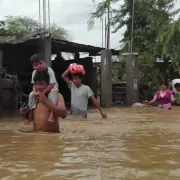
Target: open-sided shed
{"points": [[15, 56]]}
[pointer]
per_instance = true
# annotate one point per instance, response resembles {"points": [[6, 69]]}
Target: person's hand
{"points": [[27, 122], [68, 70], [41, 97], [145, 102], [104, 115], [36, 93]]}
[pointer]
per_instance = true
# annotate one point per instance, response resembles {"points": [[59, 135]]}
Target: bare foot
{"points": [[27, 122], [24, 111], [51, 119]]}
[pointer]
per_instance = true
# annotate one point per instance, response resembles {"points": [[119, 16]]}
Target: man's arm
{"points": [[59, 109], [152, 101], [95, 102], [65, 77]]}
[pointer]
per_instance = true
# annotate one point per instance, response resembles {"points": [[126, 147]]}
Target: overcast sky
{"points": [[70, 14]]}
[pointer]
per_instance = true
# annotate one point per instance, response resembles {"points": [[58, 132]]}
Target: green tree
{"points": [[169, 39], [17, 26], [2, 28], [153, 21]]}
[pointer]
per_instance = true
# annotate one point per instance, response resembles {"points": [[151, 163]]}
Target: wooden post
{"points": [[106, 79], [132, 78], [1, 59]]}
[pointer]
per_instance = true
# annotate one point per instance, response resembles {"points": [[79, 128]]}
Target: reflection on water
{"points": [[141, 144]]}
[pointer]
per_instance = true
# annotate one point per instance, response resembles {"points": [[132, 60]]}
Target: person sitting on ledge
{"points": [[40, 114]]}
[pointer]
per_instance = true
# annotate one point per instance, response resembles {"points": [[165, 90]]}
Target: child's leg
{"points": [[32, 101], [53, 97], [28, 118], [31, 105]]}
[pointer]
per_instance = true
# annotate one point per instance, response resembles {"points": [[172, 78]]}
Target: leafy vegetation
{"points": [[16, 27], [156, 35]]}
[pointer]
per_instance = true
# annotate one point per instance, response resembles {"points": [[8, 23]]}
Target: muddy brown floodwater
{"points": [[132, 144]]}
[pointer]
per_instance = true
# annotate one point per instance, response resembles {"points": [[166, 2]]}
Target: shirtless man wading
{"points": [[45, 106]]}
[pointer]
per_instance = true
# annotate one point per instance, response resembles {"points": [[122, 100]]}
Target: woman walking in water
{"points": [[164, 97]]}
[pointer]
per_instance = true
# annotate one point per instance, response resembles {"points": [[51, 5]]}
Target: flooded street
{"points": [[132, 144]]}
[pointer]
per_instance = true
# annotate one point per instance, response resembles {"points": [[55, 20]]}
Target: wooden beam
{"points": [[106, 78]]}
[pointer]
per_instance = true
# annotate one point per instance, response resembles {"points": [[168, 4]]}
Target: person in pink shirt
{"points": [[164, 97]]}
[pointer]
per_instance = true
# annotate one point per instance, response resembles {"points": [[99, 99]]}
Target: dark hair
{"points": [[165, 83], [177, 85], [41, 76], [79, 75], [36, 58]]}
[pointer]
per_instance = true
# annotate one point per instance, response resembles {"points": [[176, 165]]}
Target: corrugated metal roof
{"points": [[58, 44], [81, 47], [73, 43]]}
